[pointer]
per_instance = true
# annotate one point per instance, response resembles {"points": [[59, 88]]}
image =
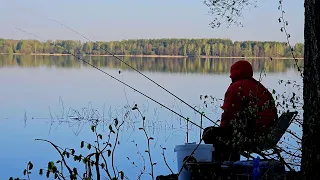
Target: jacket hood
{"points": [[241, 70]]}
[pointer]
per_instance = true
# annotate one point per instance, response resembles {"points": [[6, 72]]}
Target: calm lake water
{"points": [[38, 94]]}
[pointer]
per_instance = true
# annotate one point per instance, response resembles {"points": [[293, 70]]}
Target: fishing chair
{"points": [[270, 140]]}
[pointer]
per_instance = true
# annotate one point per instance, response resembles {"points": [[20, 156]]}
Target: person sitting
{"points": [[248, 111]]}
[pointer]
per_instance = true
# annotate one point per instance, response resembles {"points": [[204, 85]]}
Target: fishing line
{"points": [[119, 81], [134, 69]]}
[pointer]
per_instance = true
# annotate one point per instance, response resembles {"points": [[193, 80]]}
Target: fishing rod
{"points": [[134, 70], [187, 119]]}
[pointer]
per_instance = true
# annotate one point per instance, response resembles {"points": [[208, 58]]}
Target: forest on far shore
{"points": [[160, 47]]}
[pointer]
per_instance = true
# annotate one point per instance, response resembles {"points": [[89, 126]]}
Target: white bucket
{"points": [[202, 154]]}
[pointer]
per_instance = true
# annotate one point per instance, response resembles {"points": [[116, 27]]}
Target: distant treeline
{"points": [[171, 47], [154, 64]]}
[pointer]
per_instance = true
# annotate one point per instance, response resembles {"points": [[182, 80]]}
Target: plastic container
{"points": [[202, 154], [259, 169]]}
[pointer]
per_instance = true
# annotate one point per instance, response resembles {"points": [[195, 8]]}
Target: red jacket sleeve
{"points": [[232, 103]]}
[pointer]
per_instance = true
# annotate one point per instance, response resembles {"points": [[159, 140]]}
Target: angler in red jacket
{"points": [[248, 107]]}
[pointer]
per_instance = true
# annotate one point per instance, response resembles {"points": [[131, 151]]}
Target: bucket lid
{"points": [[192, 146]]}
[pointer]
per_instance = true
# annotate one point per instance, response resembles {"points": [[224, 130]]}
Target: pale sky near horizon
{"points": [[117, 20]]}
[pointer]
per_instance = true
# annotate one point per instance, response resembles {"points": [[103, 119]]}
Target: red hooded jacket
{"points": [[245, 86]]}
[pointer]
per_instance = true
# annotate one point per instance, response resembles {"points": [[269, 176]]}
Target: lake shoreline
{"points": [[153, 56]]}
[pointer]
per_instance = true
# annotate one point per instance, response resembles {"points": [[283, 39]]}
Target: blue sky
{"points": [[107, 20]]}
